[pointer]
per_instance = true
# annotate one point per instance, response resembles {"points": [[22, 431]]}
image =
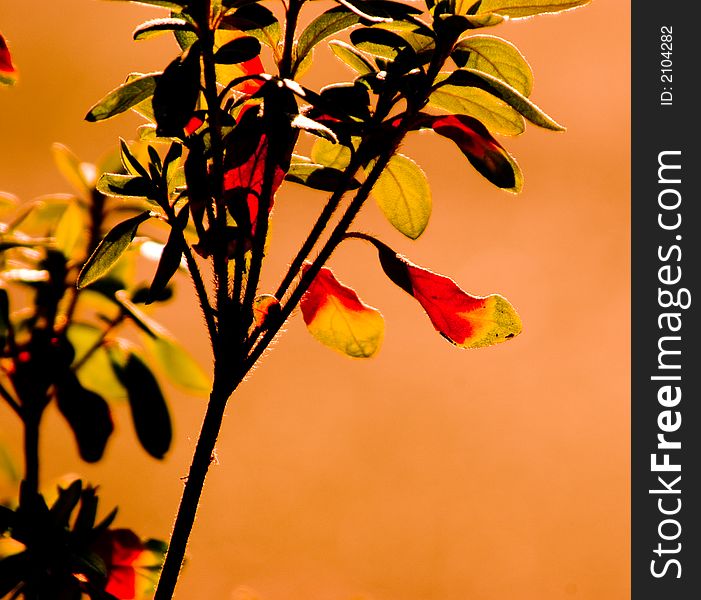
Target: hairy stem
{"points": [[193, 489]]}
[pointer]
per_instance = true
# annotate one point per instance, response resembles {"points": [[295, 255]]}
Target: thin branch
{"points": [[9, 398], [99, 342]]}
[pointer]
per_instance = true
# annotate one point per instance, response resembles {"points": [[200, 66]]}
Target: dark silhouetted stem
{"points": [[31, 420], [193, 489]]}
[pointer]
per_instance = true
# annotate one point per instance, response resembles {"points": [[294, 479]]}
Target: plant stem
{"points": [[334, 240], [290, 27], [14, 405], [31, 419], [193, 488], [99, 342]]}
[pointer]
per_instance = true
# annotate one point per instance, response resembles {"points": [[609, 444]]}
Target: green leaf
{"points": [[380, 42], [257, 21], [176, 363], [496, 114], [95, 372], [341, 17], [317, 177], [497, 57], [148, 406], [472, 78], [404, 196], [519, 9], [350, 56], [176, 93], [125, 186], [325, 25], [110, 249], [328, 154], [157, 26], [124, 97], [71, 168], [130, 163], [140, 318], [238, 51], [70, 230]]}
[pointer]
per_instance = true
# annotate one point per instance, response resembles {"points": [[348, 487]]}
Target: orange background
{"points": [[428, 473]]}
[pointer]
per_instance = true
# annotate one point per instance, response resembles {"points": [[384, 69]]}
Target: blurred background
{"points": [[429, 472]]}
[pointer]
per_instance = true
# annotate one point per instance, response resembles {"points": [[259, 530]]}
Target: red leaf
{"points": [[245, 171], [195, 122], [120, 549], [465, 320], [8, 73], [253, 66], [484, 153]]}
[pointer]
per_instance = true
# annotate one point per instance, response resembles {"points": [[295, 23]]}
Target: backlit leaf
{"points": [[148, 406], [328, 154], [496, 114], [465, 320], [125, 186], [349, 55], [156, 26], [330, 22], [124, 97], [313, 127], [496, 57], [177, 364], [518, 9], [484, 153], [257, 21], [139, 317], [317, 177], [472, 78], [404, 196], [114, 244], [380, 42], [95, 372], [70, 230], [336, 316], [71, 168]]}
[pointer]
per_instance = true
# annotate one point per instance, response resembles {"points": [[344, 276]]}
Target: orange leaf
{"points": [[338, 318]]}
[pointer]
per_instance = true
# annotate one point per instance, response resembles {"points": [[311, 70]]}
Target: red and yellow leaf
{"points": [[132, 564], [465, 320], [338, 318], [8, 73]]}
